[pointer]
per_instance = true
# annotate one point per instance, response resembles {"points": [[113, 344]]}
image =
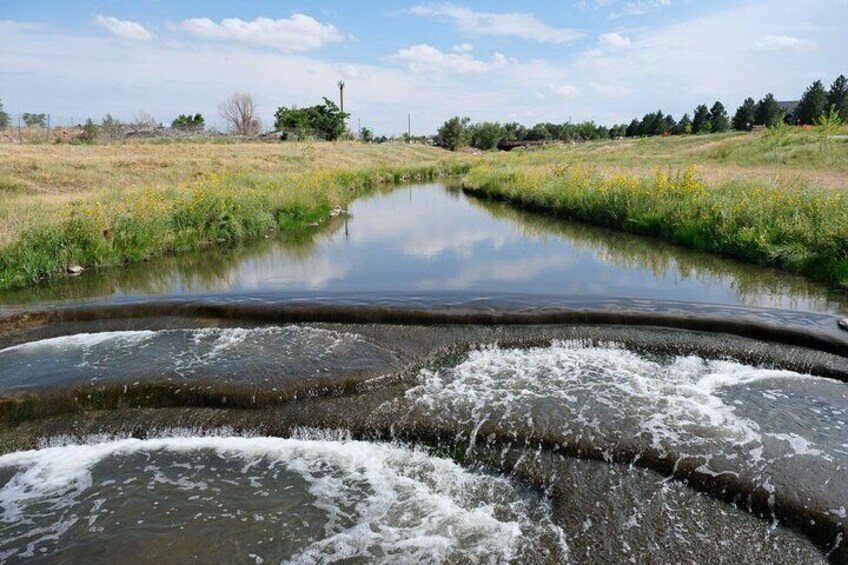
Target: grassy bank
{"points": [[802, 229], [112, 223]]}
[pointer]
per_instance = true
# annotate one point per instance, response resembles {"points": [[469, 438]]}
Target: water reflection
{"points": [[750, 285], [431, 240]]}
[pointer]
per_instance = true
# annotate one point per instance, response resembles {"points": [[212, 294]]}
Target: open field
{"points": [[768, 199], [797, 158]]}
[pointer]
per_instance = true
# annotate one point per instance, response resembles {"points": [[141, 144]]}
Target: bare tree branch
{"points": [[239, 111]]}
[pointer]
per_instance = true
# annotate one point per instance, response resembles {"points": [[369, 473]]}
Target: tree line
{"points": [[816, 104]]}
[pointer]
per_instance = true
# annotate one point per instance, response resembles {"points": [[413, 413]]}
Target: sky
{"points": [[554, 61]]}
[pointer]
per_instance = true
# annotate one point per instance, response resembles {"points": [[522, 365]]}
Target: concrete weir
{"points": [[420, 384]]}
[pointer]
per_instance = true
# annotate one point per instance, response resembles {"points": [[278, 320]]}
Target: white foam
{"points": [[414, 507], [580, 388], [81, 341]]}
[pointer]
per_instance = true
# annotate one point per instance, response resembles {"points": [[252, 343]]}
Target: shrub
{"points": [[189, 122], [35, 120], [4, 117], [90, 132]]}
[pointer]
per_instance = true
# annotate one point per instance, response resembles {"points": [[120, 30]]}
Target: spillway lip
{"points": [[821, 331]]}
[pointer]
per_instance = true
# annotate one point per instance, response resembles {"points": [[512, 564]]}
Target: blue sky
{"points": [[606, 60]]}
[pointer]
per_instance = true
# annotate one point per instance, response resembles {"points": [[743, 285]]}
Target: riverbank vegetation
{"points": [[799, 227], [66, 206]]}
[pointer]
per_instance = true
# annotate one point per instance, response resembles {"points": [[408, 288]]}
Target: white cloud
{"points": [[564, 91], [298, 33], [783, 43], [462, 48], [424, 58], [613, 40], [664, 66], [609, 90], [123, 28], [511, 24], [639, 7], [675, 66]]}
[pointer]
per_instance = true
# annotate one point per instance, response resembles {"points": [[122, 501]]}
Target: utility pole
{"points": [[341, 95], [409, 128]]}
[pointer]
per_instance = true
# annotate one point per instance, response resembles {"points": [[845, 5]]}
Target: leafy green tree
{"points": [[618, 131], [486, 135], [584, 131], [701, 119], [323, 120], [829, 123], [366, 135], [189, 122], [719, 121], [453, 134], [813, 104], [4, 117], [838, 97], [557, 131], [768, 112], [744, 118], [514, 131], [35, 120], [633, 128], [539, 132]]}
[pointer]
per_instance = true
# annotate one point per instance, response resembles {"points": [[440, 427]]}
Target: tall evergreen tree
{"points": [[743, 119], [768, 112], [684, 126], [670, 124], [632, 129], [653, 123], [701, 120], [813, 104], [718, 118], [660, 125], [838, 96]]}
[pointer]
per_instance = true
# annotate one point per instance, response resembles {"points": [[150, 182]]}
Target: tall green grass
{"points": [[803, 230], [131, 227]]}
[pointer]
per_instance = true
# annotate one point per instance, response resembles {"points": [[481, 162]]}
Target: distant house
{"points": [[789, 107]]}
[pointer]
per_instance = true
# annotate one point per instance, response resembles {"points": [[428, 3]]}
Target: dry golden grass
{"points": [[37, 179]]}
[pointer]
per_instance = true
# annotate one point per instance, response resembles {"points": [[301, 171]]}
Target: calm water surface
{"points": [[427, 240]]}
